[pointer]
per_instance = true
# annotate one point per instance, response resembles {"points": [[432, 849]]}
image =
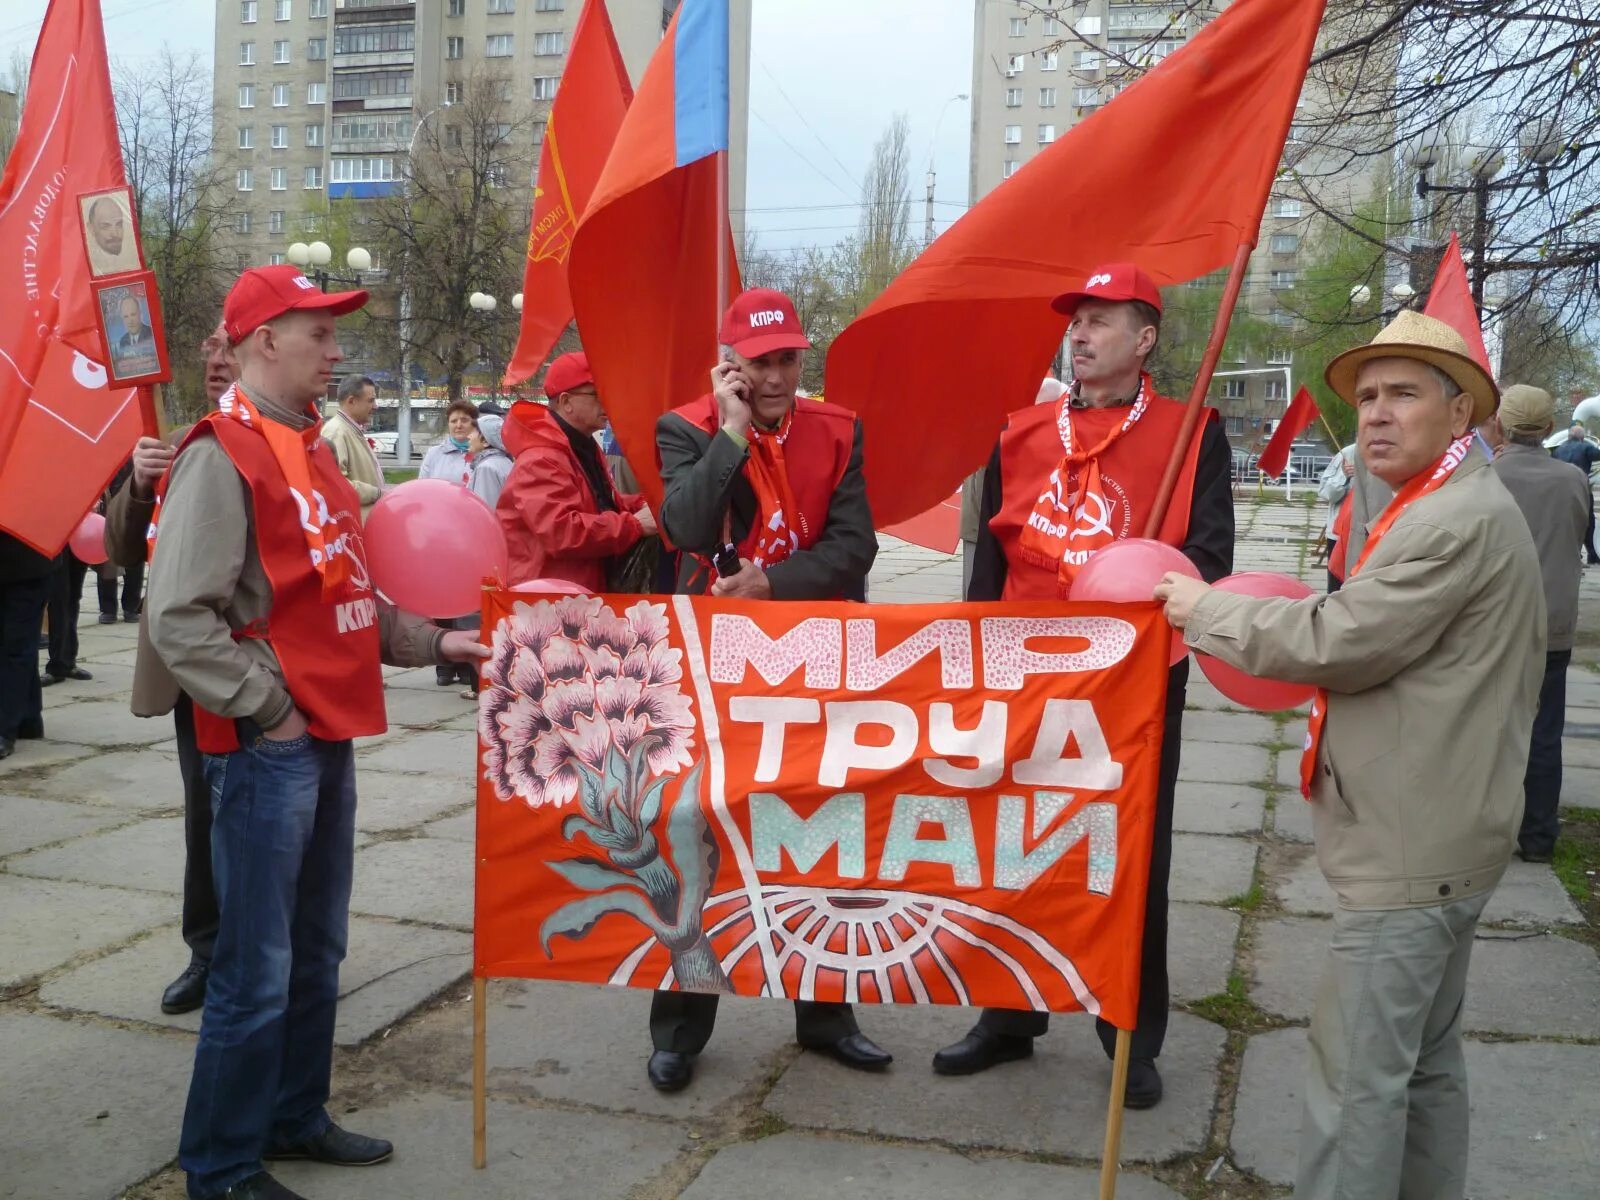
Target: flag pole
{"points": [[723, 228], [1202, 383]]}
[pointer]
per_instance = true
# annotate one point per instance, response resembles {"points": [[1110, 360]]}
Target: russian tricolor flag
{"points": [[643, 271]]}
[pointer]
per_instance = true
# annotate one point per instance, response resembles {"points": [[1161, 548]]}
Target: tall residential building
{"points": [[1037, 74], [320, 99]]}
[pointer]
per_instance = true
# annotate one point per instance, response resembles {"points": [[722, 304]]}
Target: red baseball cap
{"points": [[567, 372], [760, 321], [1114, 281], [263, 294]]}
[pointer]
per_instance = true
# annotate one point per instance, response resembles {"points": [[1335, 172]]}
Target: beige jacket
{"points": [[1432, 657], [357, 461]]}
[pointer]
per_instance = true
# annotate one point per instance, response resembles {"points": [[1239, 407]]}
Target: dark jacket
{"points": [[20, 563], [1556, 502]]}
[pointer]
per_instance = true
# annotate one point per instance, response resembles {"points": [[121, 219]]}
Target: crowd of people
{"points": [[1439, 653]]}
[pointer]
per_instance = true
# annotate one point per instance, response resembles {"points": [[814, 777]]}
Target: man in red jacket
{"points": [[562, 516]]}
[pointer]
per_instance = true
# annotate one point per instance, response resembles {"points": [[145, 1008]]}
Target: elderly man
{"points": [[1428, 663], [765, 498], [267, 619], [1066, 480], [1559, 506], [345, 431], [1583, 454]]}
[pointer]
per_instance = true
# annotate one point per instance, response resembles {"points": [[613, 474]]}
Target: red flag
{"points": [[594, 95], [63, 432], [643, 272], [1450, 300], [1173, 174], [1295, 421]]}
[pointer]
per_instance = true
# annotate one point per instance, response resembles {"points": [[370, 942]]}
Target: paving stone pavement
{"points": [[90, 869]]}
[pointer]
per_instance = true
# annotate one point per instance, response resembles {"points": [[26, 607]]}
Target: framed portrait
{"points": [[130, 323], [109, 232]]}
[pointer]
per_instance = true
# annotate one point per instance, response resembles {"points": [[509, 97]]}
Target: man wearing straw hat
{"points": [[1428, 663]]}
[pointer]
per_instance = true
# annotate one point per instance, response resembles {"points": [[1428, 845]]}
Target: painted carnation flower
{"points": [[567, 682]]}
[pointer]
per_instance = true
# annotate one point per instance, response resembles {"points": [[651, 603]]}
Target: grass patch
{"points": [[1248, 901], [1577, 859], [399, 474], [764, 1125], [1233, 1009]]}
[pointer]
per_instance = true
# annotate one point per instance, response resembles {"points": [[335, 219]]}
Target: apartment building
{"points": [[318, 100]]}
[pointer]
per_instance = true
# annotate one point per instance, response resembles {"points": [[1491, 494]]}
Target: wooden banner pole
{"points": [[1119, 1086], [480, 1057]]}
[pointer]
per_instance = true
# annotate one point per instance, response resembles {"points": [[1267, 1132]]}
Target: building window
{"points": [[538, 132], [244, 179], [280, 179], [544, 86], [313, 135], [362, 170], [1051, 27], [1286, 208], [1088, 27], [313, 178], [1282, 280], [280, 95], [1235, 426], [1281, 318], [317, 49], [1014, 65], [282, 10], [1047, 134], [1280, 356], [454, 47], [277, 258], [318, 8], [1019, 26], [247, 12], [1013, 97], [275, 221], [1047, 97], [1049, 61], [247, 54], [1285, 243], [316, 93], [502, 6], [550, 43], [371, 83], [247, 137], [280, 137], [1013, 135], [549, 5], [241, 223], [1276, 390], [453, 93], [452, 136], [247, 95], [1087, 97], [280, 51], [1086, 60], [458, 8], [499, 46], [374, 39], [1233, 389], [1009, 168]]}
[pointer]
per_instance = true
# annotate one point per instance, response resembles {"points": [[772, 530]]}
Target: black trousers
{"points": [[1151, 1031], [132, 586], [66, 598], [1541, 782], [1588, 538], [199, 893], [682, 1021], [22, 604]]}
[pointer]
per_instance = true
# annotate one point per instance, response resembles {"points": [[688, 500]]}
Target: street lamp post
{"points": [[314, 258], [933, 148], [402, 441]]}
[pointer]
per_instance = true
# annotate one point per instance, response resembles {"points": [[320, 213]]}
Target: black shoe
{"points": [[337, 1147], [670, 1071], [465, 674], [260, 1186], [108, 618], [30, 729], [188, 991], [979, 1051], [1535, 856], [131, 618], [7, 746], [51, 677], [445, 676], [854, 1050], [1144, 1084]]}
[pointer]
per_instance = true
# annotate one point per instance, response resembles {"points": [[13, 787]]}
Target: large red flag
{"points": [[1450, 300], [1173, 174], [643, 273], [594, 95], [1295, 421], [63, 432]]}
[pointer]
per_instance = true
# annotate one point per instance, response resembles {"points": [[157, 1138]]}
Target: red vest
{"points": [[1130, 473], [816, 453], [329, 652]]}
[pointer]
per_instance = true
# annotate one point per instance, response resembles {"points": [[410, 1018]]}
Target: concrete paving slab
{"points": [[106, 723], [47, 923], [110, 679], [1053, 1103], [147, 855], [1528, 1138], [1580, 752], [119, 653], [144, 780], [415, 707], [1207, 762], [1528, 894], [89, 1110], [460, 828], [1580, 787], [415, 679], [1242, 728], [531, 1152], [390, 970], [1201, 695], [449, 757], [1287, 769], [421, 879], [817, 1168], [1291, 818], [30, 757], [30, 821], [1200, 943], [386, 800], [1209, 868], [1218, 808]]}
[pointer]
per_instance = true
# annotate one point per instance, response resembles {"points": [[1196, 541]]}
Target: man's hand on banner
{"points": [[151, 458], [1180, 594], [750, 583], [462, 645]]}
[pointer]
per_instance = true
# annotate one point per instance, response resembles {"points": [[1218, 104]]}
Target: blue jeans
{"points": [[282, 850]]}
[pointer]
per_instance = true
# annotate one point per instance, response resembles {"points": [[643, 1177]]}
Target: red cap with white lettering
{"points": [[760, 321], [1114, 282], [263, 294]]}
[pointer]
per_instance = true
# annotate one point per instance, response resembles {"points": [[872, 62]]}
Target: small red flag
{"points": [[1295, 422], [1450, 300], [594, 97]]}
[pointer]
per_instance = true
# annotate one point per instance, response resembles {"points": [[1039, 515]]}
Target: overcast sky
{"points": [[826, 78]]}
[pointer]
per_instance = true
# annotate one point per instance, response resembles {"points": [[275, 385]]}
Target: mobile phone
{"points": [[726, 560]]}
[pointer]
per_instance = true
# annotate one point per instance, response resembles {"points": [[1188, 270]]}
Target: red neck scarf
{"points": [[1418, 486], [775, 539]]}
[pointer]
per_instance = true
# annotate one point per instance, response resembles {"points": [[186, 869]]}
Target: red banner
{"points": [[914, 804]]}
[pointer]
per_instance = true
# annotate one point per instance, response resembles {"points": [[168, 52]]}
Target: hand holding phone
{"points": [[732, 388]]}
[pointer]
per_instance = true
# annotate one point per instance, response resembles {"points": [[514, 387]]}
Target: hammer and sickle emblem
{"points": [[1090, 525]]}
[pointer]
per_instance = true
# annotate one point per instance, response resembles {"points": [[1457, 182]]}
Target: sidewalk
{"points": [[91, 853]]}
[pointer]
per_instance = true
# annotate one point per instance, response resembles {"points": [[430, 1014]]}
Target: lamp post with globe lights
{"points": [[314, 257]]}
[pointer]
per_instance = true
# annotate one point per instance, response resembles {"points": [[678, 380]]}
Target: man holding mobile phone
{"points": [[763, 494]]}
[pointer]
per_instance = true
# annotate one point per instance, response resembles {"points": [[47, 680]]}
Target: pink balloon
{"points": [[88, 540], [430, 544], [552, 587], [1266, 695], [1126, 572]]}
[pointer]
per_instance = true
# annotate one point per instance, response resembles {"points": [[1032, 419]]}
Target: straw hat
{"points": [[1412, 335]]}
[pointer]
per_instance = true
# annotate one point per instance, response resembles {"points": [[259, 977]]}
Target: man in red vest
{"points": [[261, 606], [1066, 480], [777, 480]]}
